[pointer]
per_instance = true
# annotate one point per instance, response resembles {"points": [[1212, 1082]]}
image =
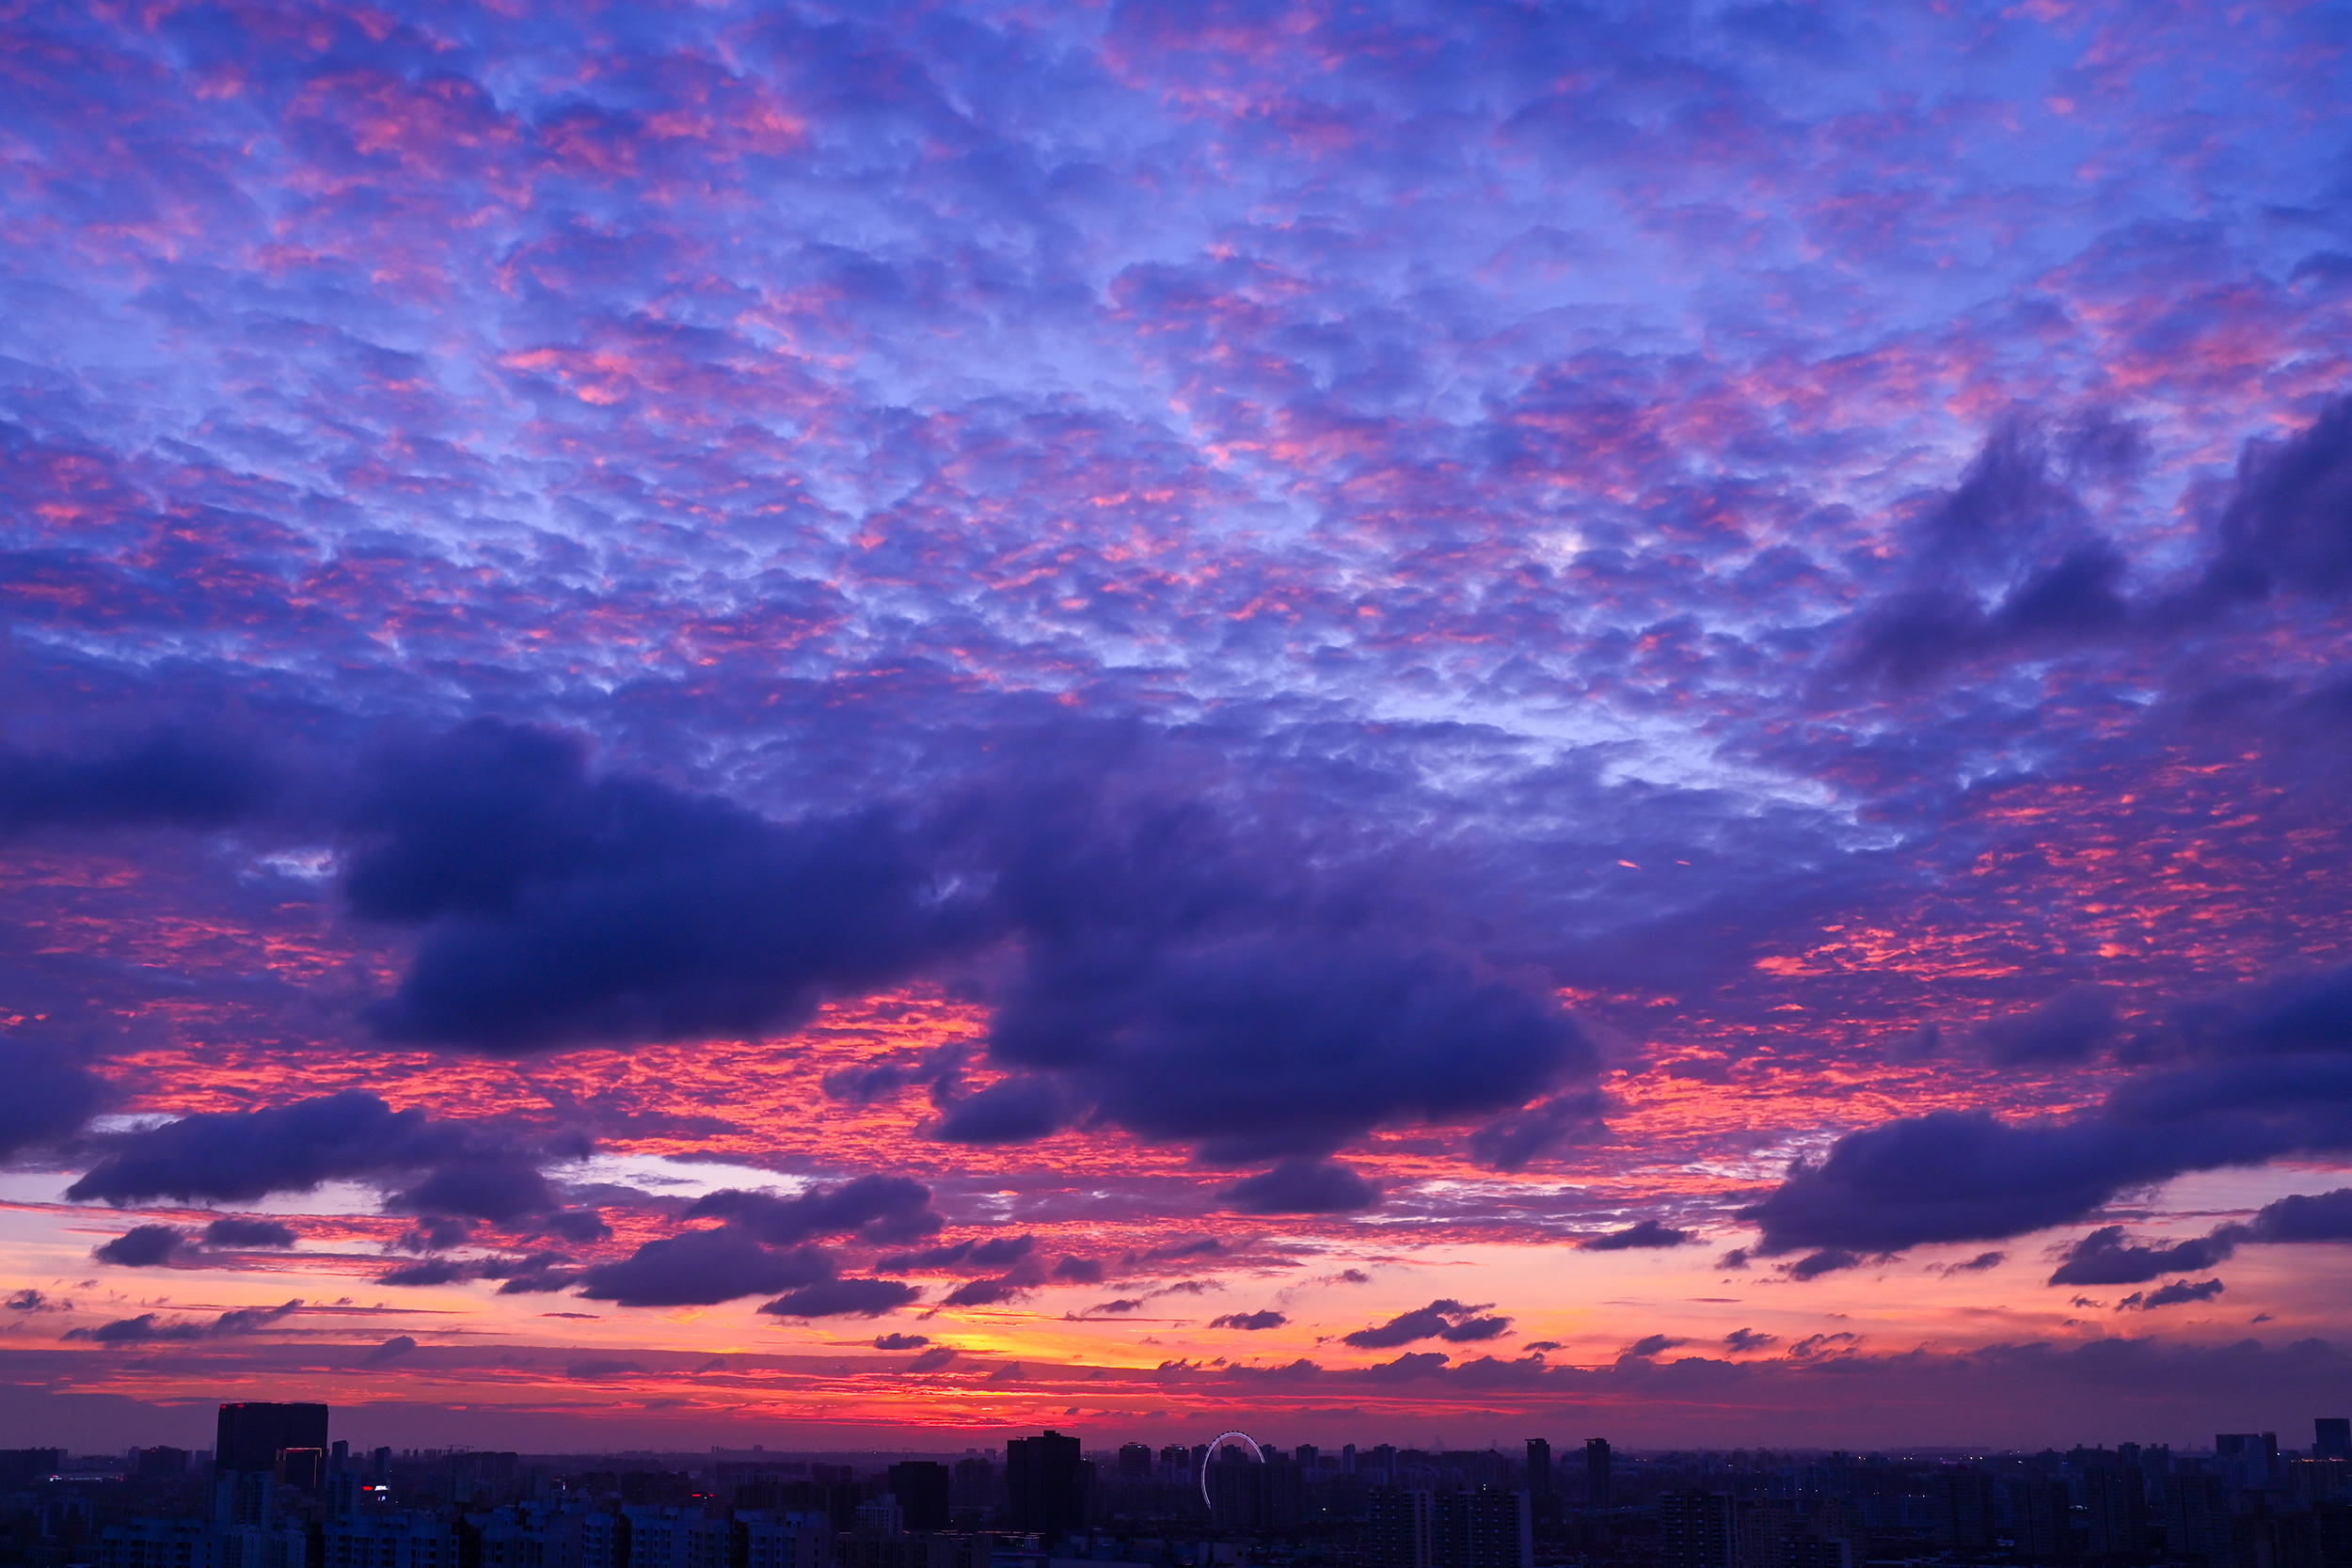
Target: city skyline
{"points": [[793, 722]]}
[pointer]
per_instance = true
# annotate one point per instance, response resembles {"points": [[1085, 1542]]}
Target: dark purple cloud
{"points": [[1302, 1187], [2181, 1293], [1642, 1233], [1440, 1319], [142, 1247], [236, 1231], [2103, 1257], [878, 1208], [166, 778], [841, 1298], [702, 1268], [1249, 1320], [560, 908]]}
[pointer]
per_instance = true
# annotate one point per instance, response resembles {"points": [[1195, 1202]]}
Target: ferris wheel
{"points": [[1216, 1447]]}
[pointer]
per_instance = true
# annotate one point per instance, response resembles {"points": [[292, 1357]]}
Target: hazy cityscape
{"points": [[277, 1491]]}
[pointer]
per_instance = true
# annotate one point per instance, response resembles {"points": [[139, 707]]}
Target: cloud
{"points": [[2321, 1217], [936, 1359], [2102, 1258], [1514, 1142], [390, 1349], [165, 778], [560, 907], [2284, 527], [596, 1368], [1827, 1261], [1011, 1111], [1644, 1233], [1299, 1186], [2178, 1293], [231, 1230], [973, 1253], [145, 1327], [1977, 1264], [1250, 1320], [2270, 1075], [241, 1156], [838, 1298], [901, 1341], [1742, 1340], [987, 1292], [1652, 1344], [141, 1246], [1079, 1271], [702, 1268], [429, 1270], [1444, 1319], [878, 1208], [50, 1094], [2068, 1027]]}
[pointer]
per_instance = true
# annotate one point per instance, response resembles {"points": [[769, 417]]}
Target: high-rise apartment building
{"points": [[924, 1487], [1599, 1493], [1695, 1530], [1045, 1489], [250, 1437], [1399, 1528], [1485, 1529]]}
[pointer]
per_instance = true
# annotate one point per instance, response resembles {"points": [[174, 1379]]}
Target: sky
{"points": [[880, 724]]}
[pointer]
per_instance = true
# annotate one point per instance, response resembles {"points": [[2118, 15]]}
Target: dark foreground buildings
{"points": [[277, 1493]]}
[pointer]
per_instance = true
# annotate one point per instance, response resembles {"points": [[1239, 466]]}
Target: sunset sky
{"points": [[876, 723]]}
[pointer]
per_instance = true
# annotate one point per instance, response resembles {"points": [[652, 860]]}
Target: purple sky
{"points": [[1380, 717]]}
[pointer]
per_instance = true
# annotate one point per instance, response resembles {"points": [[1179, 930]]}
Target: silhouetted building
{"points": [[161, 1463], [2115, 1509], [1599, 1493], [785, 1542], [1964, 1512], [394, 1541], [1046, 1484], [2331, 1437], [1135, 1461], [21, 1468], [1237, 1490], [251, 1436], [1487, 1528], [2197, 1518], [974, 1485], [303, 1469], [2045, 1526], [1398, 1527], [2248, 1459], [923, 1488], [1812, 1551], [1538, 1467], [1695, 1530]]}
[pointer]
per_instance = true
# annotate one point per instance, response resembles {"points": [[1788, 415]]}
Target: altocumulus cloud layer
{"points": [[1110, 648]]}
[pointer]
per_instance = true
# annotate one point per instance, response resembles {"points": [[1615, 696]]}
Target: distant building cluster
{"points": [[275, 1492]]}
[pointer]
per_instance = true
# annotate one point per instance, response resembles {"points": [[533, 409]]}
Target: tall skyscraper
{"points": [[2115, 1511], [1485, 1529], [1399, 1521], [1135, 1461], [1237, 1490], [1046, 1484], [1538, 1467], [251, 1436], [922, 1487], [1598, 1491], [1695, 1530], [2331, 1437]]}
